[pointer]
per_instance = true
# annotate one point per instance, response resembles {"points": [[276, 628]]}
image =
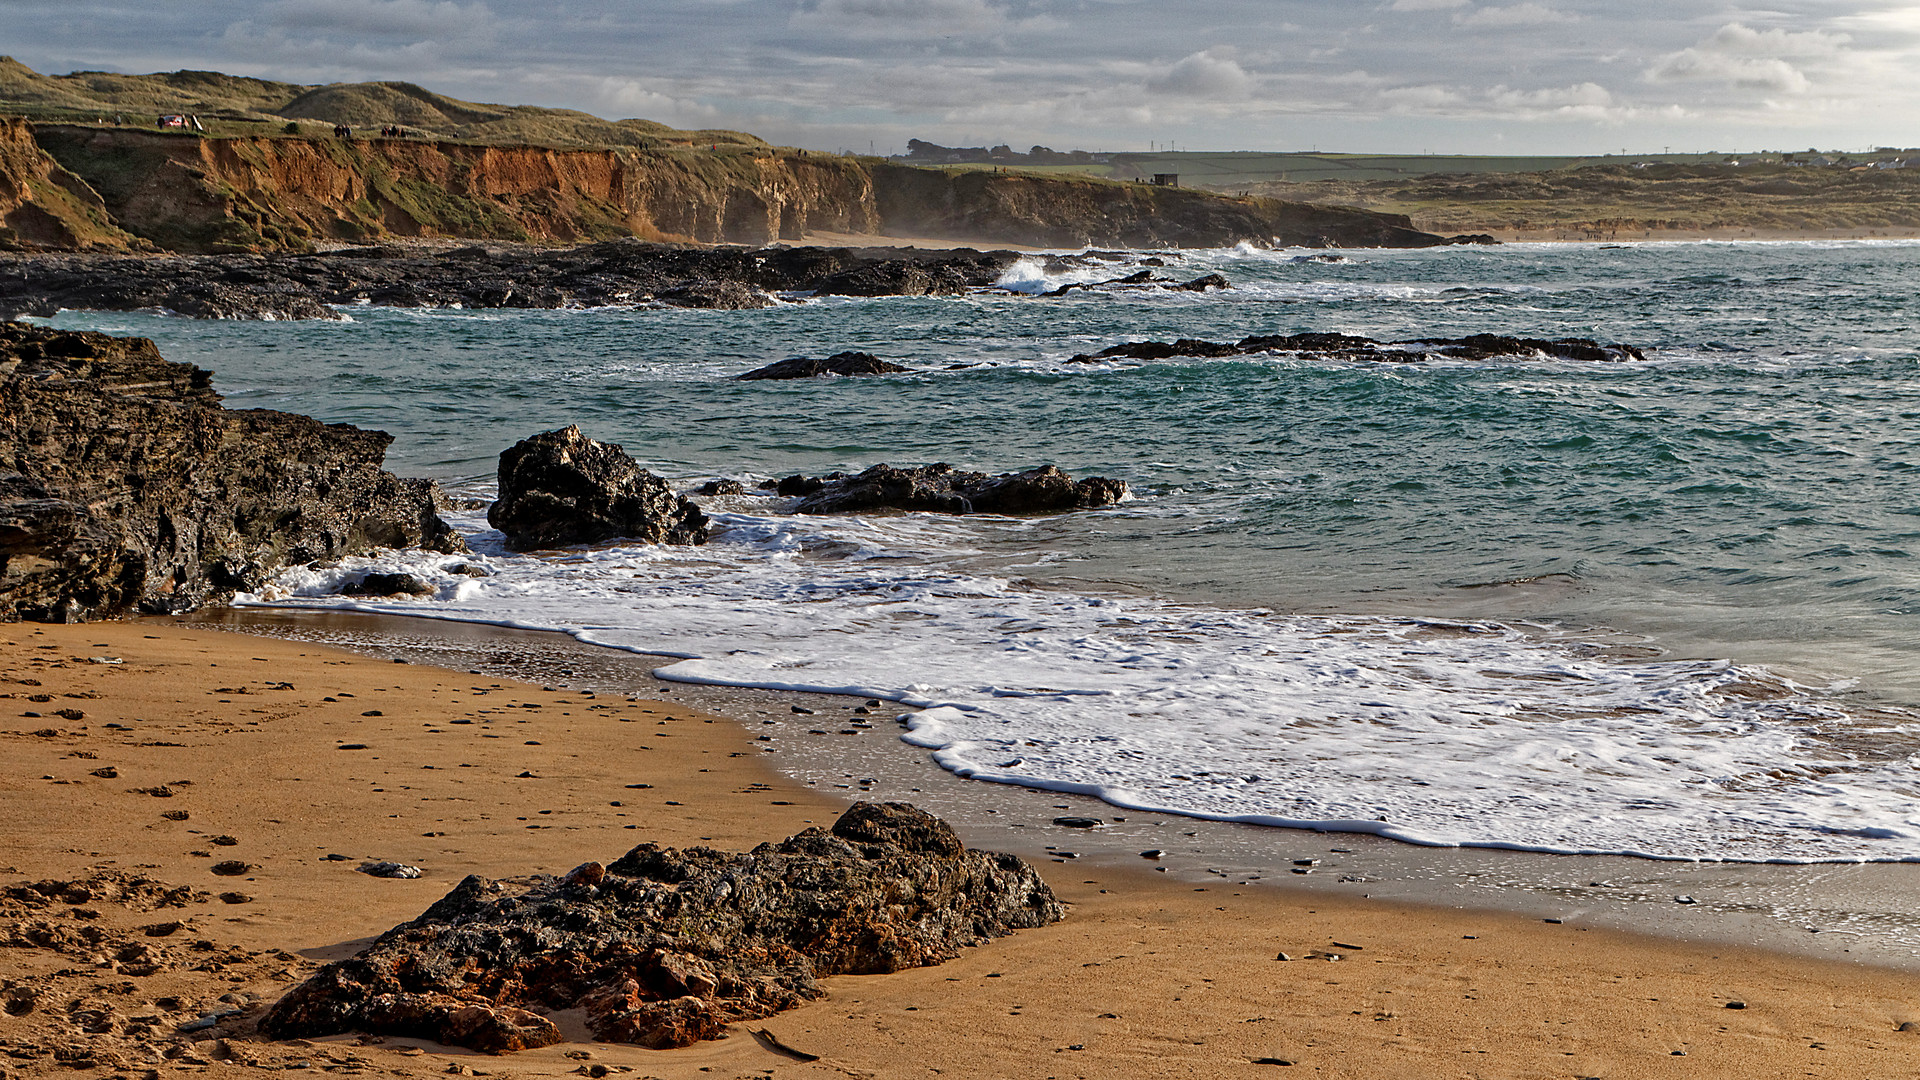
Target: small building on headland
{"points": [[1165, 179]]}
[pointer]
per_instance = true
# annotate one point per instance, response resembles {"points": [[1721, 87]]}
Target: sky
{"points": [[1386, 76]]}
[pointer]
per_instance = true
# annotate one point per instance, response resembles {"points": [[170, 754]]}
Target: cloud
{"points": [[1739, 56], [387, 18], [1522, 14], [902, 18], [1579, 96], [1212, 74], [1426, 5], [1425, 98]]}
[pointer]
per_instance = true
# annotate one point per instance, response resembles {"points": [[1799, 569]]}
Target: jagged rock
{"points": [[904, 277], [1203, 283], [664, 947], [722, 487], [840, 363], [943, 489], [621, 272], [389, 585], [560, 488], [125, 486], [717, 295], [1348, 347]]}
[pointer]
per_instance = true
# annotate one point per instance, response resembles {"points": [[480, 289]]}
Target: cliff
{"points": [[43, 206], [186, 192], [1074, 212], [189, 193], [125, 487]]}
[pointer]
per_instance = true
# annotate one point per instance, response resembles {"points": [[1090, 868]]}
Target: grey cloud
{"points": [[1467, 75], [415, 18]]}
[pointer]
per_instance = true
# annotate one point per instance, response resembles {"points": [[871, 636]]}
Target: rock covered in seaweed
{"points": [[560, 487], [664, 947], [125, 487], [944, 489], [840, 363]]}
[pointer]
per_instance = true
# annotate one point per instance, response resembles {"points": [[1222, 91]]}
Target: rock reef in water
{"points": [[560, 487], [1146, 279], [1348, 347], [840, 363], [943, 489], [126, 488], [614, 273], [665, 947]]}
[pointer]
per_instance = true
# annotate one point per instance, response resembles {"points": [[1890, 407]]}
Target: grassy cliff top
{"points": [[236, 103]]}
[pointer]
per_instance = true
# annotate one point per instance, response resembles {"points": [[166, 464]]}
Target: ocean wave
{"points": [[1426, 731]]}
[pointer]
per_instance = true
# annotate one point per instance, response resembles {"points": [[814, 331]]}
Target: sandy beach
{"points": [[182, 748]]}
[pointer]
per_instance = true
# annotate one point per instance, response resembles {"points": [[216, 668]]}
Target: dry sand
{"points": [[1147, 977]]}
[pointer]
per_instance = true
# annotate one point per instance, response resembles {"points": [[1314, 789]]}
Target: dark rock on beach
{"points": [[125, 486], [560, 487], [944, 489], [378, 584], [841, 363], [664, 947], [1348, 347]]}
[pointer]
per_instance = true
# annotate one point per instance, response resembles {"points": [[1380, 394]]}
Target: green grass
{"points": [[1621, 202], [229, 105]]}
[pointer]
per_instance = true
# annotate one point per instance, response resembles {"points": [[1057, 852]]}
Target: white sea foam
{"points": [[1428, 732]]}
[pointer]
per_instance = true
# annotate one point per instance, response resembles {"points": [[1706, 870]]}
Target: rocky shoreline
{"points": [[125, 486], [614, 273]]}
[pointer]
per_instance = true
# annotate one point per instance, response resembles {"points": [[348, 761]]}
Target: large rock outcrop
{"points": [[664, 947], [560, 487], [943, 489], [125, 487], [847, 363]]}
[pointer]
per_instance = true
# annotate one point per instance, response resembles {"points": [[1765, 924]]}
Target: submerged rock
{"points": [[1348, 347], [560, 487], [664, 947], [944, 489], [840, 363], [126, 487]]}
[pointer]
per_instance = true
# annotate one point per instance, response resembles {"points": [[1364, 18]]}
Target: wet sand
{"points": [[1152, 974]]}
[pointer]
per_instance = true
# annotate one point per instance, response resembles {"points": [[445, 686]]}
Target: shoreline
{"points": [[1834, 911], [1150, 975]]}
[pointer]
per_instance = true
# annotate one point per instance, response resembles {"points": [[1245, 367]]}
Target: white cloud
{"points": [[1420, 98], [1213, 74], [1735, 38], [1427, 5], [1522, 14], [1739, 56], [1580, 96]]}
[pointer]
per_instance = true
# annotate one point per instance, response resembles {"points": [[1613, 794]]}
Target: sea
{"points": [[1667, 609]]}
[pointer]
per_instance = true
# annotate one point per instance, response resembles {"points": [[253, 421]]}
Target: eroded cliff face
{"points": [[188, 193], [184, 192], [43, 206], [1069, 212]]}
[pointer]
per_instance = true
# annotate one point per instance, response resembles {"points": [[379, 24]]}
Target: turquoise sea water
{"points": [[1747, 499]]}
